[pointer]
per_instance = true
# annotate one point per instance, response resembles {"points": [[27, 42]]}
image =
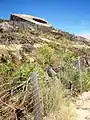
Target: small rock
{"points": [[87, 117], [5, 26]]}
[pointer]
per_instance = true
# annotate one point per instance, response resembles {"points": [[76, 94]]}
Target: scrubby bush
{"points": [[86, 80], [44, 54], [6, 71]]}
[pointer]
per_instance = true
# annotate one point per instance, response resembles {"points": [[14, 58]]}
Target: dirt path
{"points": [[83, 106]]}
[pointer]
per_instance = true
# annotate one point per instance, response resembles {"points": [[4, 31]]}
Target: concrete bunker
{"points": [[30, 21]]}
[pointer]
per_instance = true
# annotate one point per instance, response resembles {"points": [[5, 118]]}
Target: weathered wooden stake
{"points": [[36, 97], [80, 74]]}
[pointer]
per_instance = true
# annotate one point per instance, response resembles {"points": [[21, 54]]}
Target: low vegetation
{"points": [[35, 51]]}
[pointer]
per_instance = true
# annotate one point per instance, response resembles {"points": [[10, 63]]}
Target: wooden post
{"points": [[36, 97], [80, 74]]}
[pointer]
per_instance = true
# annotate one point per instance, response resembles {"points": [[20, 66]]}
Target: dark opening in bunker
{"points": [[39, 20]]}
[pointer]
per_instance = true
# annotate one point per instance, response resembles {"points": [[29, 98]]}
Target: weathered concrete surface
{"points": [[30, 21]]}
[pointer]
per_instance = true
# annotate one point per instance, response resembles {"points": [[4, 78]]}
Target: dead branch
{"points": [[17, 88], [4, 103]]}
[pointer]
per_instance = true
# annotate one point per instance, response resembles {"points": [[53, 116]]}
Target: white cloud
{"points": [[84, 23], [86, 35], [81, 28]]}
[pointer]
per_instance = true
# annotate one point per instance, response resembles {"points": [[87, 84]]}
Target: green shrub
{"points": [[6, 71], [86, 79], [44, 54]]}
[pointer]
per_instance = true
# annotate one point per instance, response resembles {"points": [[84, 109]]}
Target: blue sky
{"points": [[69, 15]]}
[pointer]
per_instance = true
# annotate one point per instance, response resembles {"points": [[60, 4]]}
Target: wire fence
{"points": [[28, 100], [34, 99]]}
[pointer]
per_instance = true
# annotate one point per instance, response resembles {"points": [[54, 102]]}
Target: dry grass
{"points": [[64, 113], [47, 49]]}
